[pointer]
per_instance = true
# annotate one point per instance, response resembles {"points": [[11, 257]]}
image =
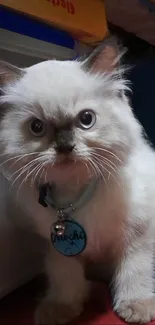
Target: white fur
{"points": [[121, 215]]}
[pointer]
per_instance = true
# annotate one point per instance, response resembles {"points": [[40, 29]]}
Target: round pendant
{"points": [[72, 242]]}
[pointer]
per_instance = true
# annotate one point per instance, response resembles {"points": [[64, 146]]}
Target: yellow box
{"points": [[84, 19]]}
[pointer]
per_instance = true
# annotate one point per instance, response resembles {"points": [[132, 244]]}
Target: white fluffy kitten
{"points": [[85, 128]]}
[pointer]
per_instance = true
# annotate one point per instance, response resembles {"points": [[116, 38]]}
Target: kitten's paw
{"points": [[142, 311], [50, 313]]}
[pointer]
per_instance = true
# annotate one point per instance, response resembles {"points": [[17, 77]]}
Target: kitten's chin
{"points": [[68, 172]]}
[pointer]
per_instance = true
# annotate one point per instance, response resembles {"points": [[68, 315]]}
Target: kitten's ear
{"points": [[106, 57], [8, 74]]}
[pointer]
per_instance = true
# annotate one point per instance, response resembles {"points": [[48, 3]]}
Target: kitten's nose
{"points": [[65, 149], [64, 141]]}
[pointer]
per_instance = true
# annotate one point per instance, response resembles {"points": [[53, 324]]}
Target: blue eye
{"points": [[86, 119]]}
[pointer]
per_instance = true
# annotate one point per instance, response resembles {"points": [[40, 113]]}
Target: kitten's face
{"points": [[60, 121]]}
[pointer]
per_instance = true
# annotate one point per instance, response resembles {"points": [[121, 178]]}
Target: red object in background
{"points": [[18, 308]]}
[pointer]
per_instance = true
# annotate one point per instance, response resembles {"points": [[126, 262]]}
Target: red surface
{"points": [[18, 309]]}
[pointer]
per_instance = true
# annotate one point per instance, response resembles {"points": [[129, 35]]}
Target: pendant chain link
{"points": [[63, 214]]}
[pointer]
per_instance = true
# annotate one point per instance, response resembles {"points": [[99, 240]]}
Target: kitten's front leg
{"points": [[67, 291], [134, 298]]}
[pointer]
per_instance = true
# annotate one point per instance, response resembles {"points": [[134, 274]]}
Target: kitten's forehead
{"points": [[58, 78], [55, 84]]}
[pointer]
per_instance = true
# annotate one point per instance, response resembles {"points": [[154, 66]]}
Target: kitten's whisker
{"points": [[18, 161], [102, 174], [105, 158], [29, 163], [23, 181], [23, 170], [18, 176], [103, 167], [45, 175], [99, 172], [41, 166], [25, 178], [40, 177], [26, 154], [109, 152], [93, 168], [9, 159], [15, 180], [88, 169], [102, 159], [15, 157], [30, 172], [111, 167], [33, 174], [116, 180], [20, 157], [99, 165]]}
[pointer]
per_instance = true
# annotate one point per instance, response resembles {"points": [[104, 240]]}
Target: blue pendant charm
{"points": [[73, 241]]}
